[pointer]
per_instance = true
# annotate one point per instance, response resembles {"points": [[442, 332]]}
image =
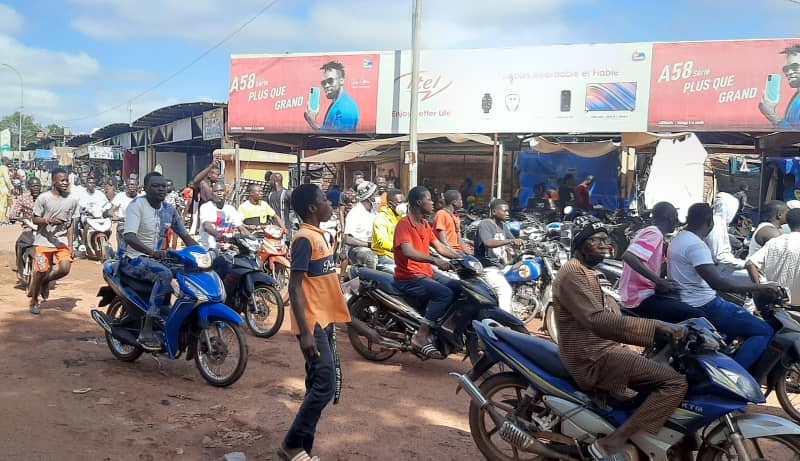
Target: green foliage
{"points": [[31, 129]]}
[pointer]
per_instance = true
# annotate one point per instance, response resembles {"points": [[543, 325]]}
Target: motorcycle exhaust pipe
{"points": [[365, 330], [398, 305], [121, 335], [508, 430]]}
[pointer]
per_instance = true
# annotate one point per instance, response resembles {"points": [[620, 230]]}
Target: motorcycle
{"points": [[536, 408], [95, 231], [531, 277], [25, 271], [274, 257], [198, 323], [385, 320], [249, 290]]}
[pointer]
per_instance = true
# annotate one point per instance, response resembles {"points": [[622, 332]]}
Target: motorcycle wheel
{"points": [[116, 312], [768, 447], [27, 273], [226, 340], [504, 391], [265, 311], [365, 310], [99, 247], [788, 389], [550, 325], [281, 276]]}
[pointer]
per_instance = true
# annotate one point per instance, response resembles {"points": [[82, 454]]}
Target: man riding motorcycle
{"points": [[413, 238], [591, 329], [491, 248], [147, 220], [383, 230], [23, 211]]}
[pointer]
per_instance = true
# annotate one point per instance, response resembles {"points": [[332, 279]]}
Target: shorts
{"points": [[46, 256]]}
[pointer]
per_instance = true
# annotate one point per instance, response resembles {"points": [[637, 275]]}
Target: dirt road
{"points": [[399, 410]]}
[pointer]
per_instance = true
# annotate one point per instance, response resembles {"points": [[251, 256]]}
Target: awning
{"points": [[362, 148], [645, 139], [581, 149], [250, 155]]}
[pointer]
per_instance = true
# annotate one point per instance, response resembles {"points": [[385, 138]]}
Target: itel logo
{"points": [[429, 84]]}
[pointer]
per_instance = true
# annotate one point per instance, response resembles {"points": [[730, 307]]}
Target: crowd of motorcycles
{"points": [[523, 403]]}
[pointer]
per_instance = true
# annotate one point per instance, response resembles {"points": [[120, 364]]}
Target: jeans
{"points": [[734, 321], [439, 291], [386, 264], [667, 309], [150, 270], [497, 280], [320, 390]]}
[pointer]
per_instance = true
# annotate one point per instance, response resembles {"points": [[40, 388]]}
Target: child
{"points": [[317, 304]]}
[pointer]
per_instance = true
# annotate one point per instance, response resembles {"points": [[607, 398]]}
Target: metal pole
{"points": [[494, 164], [237, 163], [21, 102], [416, 26], [500, 170]]}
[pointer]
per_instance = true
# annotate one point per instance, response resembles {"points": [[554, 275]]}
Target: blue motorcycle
{"points": [[531, 279], [536, 411], [198, 323]]}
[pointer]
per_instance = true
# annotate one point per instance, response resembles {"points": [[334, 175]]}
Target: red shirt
{"points": [[420, 237], [582, 196]]}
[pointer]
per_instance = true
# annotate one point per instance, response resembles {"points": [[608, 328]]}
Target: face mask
{"points": [[402, 209]]}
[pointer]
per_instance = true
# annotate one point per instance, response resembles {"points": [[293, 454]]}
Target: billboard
{"points": [[565, 88], [749, 85], [304, 93]]}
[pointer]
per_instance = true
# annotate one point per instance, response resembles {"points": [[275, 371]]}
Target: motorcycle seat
{"points": [[540, 351], [139, 286], [383, 280]]}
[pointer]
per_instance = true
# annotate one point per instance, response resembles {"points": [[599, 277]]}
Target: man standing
{"points": [[317, 305], [566, 192], [383, 230], [6, 186], [202, 185], [773, 217], [643, 286], [23, 211], [217, 218], [358, 226], [779, 259], [280, 201], [255, 212], [583, 194], [447, 224], [120, 206], [343, 113], [413, 274], [491, 248], [53, 213], [147, 220]]}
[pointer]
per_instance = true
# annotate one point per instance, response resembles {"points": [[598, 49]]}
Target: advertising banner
{"points": [[213, 124], [304, 93], [565, 88], [749, 85]]}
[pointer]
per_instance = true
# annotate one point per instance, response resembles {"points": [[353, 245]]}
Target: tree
{"points": [[29, 129], [54, 130]]}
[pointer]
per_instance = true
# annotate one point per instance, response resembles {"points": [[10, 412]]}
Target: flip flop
{"points": [[302, 455], [598, 454]]}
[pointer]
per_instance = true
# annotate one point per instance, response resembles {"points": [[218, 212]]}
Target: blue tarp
{"points": [[535, 168], [44, 154]]}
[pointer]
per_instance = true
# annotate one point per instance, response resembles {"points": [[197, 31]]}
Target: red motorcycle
{"points": [[274, 257]]}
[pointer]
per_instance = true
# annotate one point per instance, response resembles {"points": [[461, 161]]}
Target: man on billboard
{"points": [[772, 93], [343, 113]]}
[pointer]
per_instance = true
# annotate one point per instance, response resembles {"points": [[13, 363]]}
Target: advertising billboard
{"points": [[304, 93], [749, 85], [565, 88]]}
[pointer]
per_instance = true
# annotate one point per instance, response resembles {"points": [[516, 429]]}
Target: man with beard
{"points": [[343, 113], [791, 70], [23, 211], [53, 213]]}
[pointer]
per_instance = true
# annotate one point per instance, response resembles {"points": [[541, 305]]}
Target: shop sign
{"points": [[101, 152], [304, 93], [213, 124], [750, 85]]}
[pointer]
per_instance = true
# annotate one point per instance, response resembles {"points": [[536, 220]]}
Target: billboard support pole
{"points": [[494, 164], [416, 24], [500, 170]]}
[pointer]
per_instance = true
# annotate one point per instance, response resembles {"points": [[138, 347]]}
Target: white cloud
{"points": [[10, 21]]}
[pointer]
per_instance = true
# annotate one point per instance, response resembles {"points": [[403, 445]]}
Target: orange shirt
{"points": [[420, 237], [451, 225], [325, 300]]}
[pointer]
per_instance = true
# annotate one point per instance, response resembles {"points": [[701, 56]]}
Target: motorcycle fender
{"points": [[216, 311], [106, 295], [752, 426], [500, 316], [279, 261], [257, 278]]}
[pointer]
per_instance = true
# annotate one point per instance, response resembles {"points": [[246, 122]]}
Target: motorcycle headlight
{"points": [[474, 265], [203, 260], [742, 385]]}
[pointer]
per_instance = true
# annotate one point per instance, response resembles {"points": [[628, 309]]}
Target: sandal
{"points": [[301, 455], [598, 454]]}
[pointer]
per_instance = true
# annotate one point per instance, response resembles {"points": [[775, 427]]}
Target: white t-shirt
{"points": [[121, 202], [686, 252], [358, 222], [96, 199], [225, 219], [77, 192], [779, 259]]}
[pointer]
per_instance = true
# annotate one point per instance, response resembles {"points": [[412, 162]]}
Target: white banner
{"points": [[101, 152], [565, 88], [5, 141]]}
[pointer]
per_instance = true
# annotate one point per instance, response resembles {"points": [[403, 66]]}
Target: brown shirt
{"points": [[590, 326]]}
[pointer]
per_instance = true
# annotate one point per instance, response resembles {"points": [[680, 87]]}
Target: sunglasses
{"points": [[328, 81], [599, 240], [794, 67]]}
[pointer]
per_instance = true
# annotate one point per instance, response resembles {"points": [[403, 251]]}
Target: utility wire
{"points": [[182, 69]]}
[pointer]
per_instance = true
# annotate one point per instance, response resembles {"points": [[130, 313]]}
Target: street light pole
{"points": [[416, 26], [21, 102]]}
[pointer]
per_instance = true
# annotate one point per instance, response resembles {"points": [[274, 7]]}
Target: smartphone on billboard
{"points": [[610, 97], [566, 100], [773, 88], [314, 99]]}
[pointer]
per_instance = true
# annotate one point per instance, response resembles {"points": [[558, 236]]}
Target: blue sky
{"points": [[82, 58]]}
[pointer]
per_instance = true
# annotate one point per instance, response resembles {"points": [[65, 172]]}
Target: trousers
{"points": [[497, 280], [149, 270], [734, 321], [320, 390], [667, 309], [439, 291]]}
